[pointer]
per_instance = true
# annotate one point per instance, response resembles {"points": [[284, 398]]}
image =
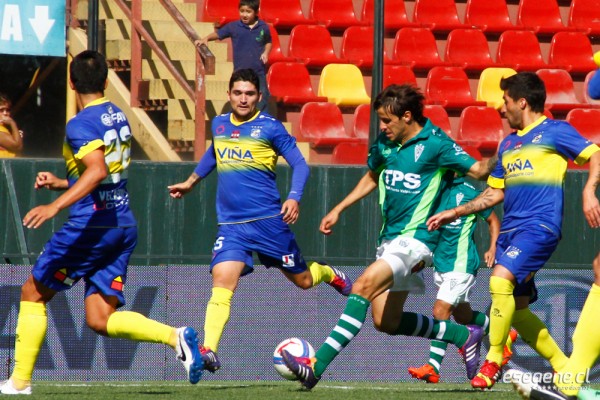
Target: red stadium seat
{"points": [[584, 15], [322, 125], [290, 83], [398, 74], [283, 13], [394, 14], [334, 14], [543, 16], [587, 123], [357, 46], [276, 54], [482, 128], [560, 90], [417, 48], [520, 50], [571, 51], [439, 117], [449, 87], [312, 45], [350, 153], [361, 122], [469, 49], [438, 15], [488, 15], [220, 11]]}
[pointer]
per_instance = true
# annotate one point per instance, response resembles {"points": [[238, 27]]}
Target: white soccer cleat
{"points": [[7, 387], [189, 354], [522, 386]]}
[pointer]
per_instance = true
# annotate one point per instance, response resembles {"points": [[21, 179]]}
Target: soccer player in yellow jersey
{"points": [[11, 138], [529, 178]]}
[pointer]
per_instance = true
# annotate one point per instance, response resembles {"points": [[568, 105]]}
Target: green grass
{"points": [[263, 390]]}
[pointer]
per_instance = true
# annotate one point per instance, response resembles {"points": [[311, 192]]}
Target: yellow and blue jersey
{"points": [[100, 124], [245, 154], [531, 169]]}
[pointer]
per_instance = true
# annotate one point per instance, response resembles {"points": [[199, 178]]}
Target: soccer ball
{"points": [[299, 348]]}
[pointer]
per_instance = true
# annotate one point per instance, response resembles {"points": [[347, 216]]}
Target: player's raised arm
{"points": [[488, 198], [366, 185]]}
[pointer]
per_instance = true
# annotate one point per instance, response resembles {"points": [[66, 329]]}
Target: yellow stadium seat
{"points": [[488, 88], [343, 84]]}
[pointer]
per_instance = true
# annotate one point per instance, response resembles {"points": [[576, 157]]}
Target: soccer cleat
{"points": [[302, 369], [588, 394], [7, 387], [425, 373], [341, 282], [189, 354], [530, 389], [211, 361], [507, 354], [470, 351], [489, 373]]}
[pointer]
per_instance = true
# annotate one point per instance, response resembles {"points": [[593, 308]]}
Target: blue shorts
{"points": [[98, 255], [271, 239], [525, 250]]}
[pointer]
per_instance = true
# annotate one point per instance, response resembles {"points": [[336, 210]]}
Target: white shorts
{"points": [[453, 286], [407, 257]]}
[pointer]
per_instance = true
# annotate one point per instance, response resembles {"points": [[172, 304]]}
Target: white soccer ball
{"points": [[299, 348]]}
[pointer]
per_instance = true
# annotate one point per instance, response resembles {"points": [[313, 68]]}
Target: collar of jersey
{"points": [[529, 127], [238, 123], [96, 102]]}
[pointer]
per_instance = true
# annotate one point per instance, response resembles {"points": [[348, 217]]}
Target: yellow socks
{"points": [[218, 310], [320, 272], [535, 333], [134, 326], [586, 346], [501, 315], [31, 331]]}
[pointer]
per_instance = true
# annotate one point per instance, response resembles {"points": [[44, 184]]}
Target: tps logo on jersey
{"points": [[62, 276], [518, 165], [537, 139], [288, 260], [513, 252], [418, 151], [235, 134], [458, 150], [106, 120], [409, 180]]}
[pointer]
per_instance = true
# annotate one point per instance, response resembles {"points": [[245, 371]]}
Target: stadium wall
{"points": [[182, 231], [266, 309]]}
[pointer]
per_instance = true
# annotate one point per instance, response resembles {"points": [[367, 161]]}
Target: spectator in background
{"points": [[11, 138], [251, 42], [594, 84]]}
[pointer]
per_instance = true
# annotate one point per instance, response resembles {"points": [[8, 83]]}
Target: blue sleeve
{"points": [[207, 163], [300, 173], [225, 31], [594, 86]]}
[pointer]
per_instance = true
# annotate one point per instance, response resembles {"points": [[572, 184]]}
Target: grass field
{"points": [[264, 390]]}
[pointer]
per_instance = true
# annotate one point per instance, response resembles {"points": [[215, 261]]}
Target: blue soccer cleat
{"points": [[303, 370], [189, 354], [211, 361]]}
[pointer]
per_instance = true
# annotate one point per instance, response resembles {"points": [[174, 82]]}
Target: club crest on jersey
{"points": [[255, 133], [288, 260], [513, 252], [62, 276], [386, 152], [459, 198], [536, 139], [418, 151], [235, 134], [117, 284]]}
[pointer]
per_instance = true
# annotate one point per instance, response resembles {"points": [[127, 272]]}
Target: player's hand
{"points": [[178, 190], [488, 257], [439, 219], [48, 180], [264, 58], [591, 209], [328, 222], [291, 211], [37, 216]]}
